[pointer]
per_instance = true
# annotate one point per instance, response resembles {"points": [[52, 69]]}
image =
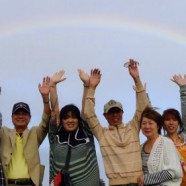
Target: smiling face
{"points": [[70, 117], [149, 128], [20, 120], [114, 116], [70, 122], [151, 123], [171, 124]]}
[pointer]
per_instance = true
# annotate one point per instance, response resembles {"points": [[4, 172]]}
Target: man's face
{"points": [[114, 116], [20, 120]]}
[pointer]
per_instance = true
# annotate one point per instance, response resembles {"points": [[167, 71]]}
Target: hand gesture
{"points": [[84, 77], [140, 181], [95, 77], [44, 88], [57, 77], [133, 69], [179, 80]]}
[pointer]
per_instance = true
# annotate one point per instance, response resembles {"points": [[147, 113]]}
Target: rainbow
{"points": [[94, 23]]}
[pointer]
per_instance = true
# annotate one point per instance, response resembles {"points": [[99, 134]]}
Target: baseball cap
{"points": [[112, 104], [22, 106]]}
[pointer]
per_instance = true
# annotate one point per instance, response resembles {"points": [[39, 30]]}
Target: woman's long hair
{"points": [[171, 112]]}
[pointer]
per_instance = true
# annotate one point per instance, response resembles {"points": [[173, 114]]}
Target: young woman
{"points": [[175, 126], [68, 130], [160, 160]]}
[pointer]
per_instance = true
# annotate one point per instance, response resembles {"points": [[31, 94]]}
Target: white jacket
{"points": [[164, 156]]}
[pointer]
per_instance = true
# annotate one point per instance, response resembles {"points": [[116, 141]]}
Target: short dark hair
{"points": [[151, 113], [175, 113], [69, 108]]}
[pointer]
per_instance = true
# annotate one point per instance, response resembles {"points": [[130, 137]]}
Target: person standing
{"points": [[160, 160], [175, 124], [20, 146], [69, 131], [119, 143]]}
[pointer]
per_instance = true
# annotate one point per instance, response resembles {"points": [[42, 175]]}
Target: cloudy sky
{"points": [[38, 38]]}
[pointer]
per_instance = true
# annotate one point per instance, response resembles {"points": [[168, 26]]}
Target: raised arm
{"points": [[56, 78], [142, 100], [133, 70], [179, 79], [85, 79], [44, 90], [90, 115], [181, 82], [95, 78]]}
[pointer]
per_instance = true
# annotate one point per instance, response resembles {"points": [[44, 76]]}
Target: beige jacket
{"points": [[32, 139]]}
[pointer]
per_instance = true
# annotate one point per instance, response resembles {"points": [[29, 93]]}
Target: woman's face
{"points": [[70, 123], [171, 124], [149, 128]]}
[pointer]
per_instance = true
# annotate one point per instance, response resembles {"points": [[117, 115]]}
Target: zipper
{"points": [[119, 134]]}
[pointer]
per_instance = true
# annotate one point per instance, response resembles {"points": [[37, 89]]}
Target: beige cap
{"points": [[112, 104]]}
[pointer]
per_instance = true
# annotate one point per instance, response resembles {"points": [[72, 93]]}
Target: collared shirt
{"points": [[18, 167], [2, 177]]}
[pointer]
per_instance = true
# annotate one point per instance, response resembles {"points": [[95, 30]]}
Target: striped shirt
{"points": [[83, 166]]}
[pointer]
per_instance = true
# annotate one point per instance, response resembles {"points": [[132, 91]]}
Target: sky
{"points": [[39, 38]]}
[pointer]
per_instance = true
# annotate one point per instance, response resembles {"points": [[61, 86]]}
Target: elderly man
{"points": [[20, 146]]}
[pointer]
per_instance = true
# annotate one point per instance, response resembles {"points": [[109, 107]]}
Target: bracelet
{"points": [[45, 102]]}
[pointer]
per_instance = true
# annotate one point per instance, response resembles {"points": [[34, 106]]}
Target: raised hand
{"points": [[179, 80], [95, 77], [84, 77], [44, 87], [133, 69], [57, 77]]}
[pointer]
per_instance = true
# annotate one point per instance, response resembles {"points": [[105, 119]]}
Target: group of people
{"points": [[159, 161]]}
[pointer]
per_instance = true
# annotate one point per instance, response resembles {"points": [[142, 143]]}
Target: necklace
{"points": [[178, 141]]}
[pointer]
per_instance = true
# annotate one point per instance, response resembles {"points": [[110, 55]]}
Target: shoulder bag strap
{"points": [[68, 158]]}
